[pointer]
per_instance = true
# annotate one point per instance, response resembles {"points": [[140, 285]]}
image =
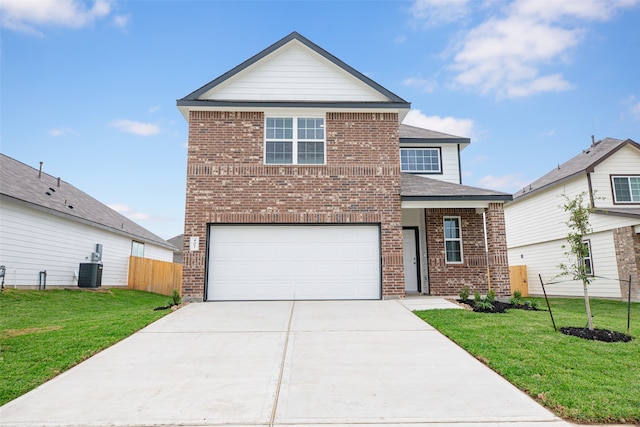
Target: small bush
{"points": [[516, 299], [464, 293], [175, 296]]}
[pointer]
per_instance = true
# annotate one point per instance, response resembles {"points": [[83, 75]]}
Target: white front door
{"points": [[410, 260]]}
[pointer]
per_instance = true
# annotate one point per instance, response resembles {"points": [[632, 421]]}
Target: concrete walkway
{"points": [[328, 363]]}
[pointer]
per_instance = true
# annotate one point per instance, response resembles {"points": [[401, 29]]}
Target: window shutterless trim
{"points": [[613, 189], [423, 172], [295, 141], [457, 239], [590, 257]]}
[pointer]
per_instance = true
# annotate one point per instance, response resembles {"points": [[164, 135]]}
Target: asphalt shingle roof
{"points": [[22, 183], [423, 188], [582, 163], [416, 133]]}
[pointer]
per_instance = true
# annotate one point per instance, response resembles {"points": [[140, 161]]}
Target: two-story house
{"points": [[608, 173], [302, 183]]}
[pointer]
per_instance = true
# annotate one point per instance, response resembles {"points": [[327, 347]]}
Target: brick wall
{"points": [[627, 244], [228, 182], [448, 279]]}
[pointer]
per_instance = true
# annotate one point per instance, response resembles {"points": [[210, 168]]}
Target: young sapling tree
{"points": [[578, 251]]}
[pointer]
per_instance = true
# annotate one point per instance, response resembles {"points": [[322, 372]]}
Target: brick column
{"points": [[497, 245], [627, 244]]}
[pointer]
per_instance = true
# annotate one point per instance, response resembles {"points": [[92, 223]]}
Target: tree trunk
{"points": [[588, 306]]}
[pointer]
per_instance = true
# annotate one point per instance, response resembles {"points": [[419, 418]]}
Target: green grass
{"points": [[44, 333], [579, 380]]}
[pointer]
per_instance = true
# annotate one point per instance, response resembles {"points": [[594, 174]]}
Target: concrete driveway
{"points": [[281, 363]]}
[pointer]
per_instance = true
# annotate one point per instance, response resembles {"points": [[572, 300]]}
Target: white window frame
{"points": [[136, 247], [589, 257], [613, 189], [295, 140], [436, 149], [452, 239]]}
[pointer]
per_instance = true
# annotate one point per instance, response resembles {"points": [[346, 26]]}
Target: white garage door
{"points": [[293, 262]]}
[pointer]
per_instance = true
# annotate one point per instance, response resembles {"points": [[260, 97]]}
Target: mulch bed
{"points": [[596, 334], [498, 306], [604, 335]]}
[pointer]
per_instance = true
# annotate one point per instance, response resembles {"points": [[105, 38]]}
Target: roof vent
{"points": [[52, 190], [40, 173]]}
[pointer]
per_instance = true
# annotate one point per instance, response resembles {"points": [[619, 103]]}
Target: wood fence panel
{"points": [[151, 275], [518, 274]]}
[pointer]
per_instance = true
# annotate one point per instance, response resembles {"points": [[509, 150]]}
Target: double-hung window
{"points": [[137, 249], [452, 240], [420, 160], [294, 140], [626, 189]]}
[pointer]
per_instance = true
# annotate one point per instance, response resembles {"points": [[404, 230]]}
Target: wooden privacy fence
{"points": [[518, 274], [151, 275]]}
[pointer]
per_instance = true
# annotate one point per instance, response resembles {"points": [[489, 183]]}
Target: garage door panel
{"points": [[293, 262]]}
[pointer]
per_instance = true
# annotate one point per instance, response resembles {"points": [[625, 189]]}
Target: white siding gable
{"points": [[294, 73], [625, 161]]}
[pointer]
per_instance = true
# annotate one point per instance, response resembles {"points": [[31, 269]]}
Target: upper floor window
{"points": [[420, 160], [626, 189], [294, 140], [452, 240], [137, 249]]}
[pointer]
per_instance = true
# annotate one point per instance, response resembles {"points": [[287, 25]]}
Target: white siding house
{"points": [[537, 230], [49, 225]]}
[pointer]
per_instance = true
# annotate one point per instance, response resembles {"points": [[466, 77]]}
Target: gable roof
{"points": [[412, 134], [583, 163], [385, 98], [22, 184], [420, 188]]}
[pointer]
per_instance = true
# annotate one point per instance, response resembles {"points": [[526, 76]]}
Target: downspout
{"points": [[459, 166]]}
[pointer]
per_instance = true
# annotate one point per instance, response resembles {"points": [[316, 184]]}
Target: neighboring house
{"points": [[178, 242], [47, 224], [608, 172], [303, 184]]}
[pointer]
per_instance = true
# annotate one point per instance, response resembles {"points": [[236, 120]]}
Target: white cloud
{"points": [[450, 125], [154, 109], [62, 132], [129, 212], [121, 21], [400, 39], [423, 85], [507, 183], [432, 13], [509, 55], [137, 128], [25, 16], [633, 107]]}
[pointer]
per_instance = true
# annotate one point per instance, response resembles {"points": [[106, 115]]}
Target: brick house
{"points": [[302, 183]]}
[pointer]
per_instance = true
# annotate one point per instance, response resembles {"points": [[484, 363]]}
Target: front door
{"points": [[411, 281]]}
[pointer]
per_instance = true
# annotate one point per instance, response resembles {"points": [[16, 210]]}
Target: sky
{"points": [[90, 87]]}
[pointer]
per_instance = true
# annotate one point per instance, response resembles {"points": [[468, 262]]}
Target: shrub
{"points": [[464, 293]]}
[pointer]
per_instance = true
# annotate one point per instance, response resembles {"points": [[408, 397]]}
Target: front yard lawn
{"points": [[44, 333], [579, 380]]}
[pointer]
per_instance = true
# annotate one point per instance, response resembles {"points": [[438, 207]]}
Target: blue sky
{"points": [[89, 87]]}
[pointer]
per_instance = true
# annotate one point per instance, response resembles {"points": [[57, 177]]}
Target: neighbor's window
{"points": [[587, 260], [294, 140], [626, 189], [416, 160], [137, 249], [452, 240]]}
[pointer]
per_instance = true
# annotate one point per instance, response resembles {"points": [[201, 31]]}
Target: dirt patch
{"points": [[26, 331]]}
